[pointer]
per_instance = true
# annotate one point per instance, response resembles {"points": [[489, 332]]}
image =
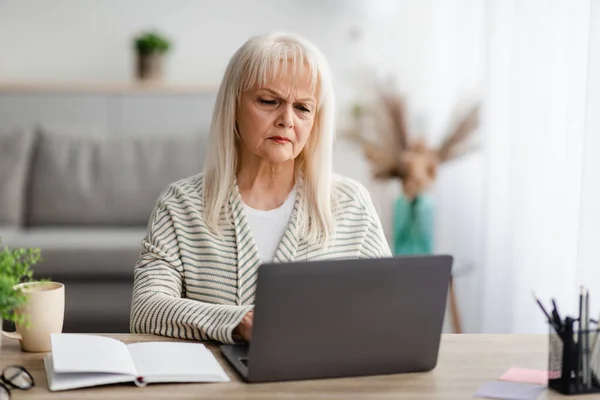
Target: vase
{"points": [[150, 66], [413, 225]]}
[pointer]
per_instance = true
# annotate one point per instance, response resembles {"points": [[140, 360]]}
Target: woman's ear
{"points": [[236, 131]]}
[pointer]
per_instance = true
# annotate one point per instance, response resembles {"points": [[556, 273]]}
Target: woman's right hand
{"points": [[244, 329]]}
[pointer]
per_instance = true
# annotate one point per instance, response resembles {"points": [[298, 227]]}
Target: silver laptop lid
{"points": [[348, 317]]}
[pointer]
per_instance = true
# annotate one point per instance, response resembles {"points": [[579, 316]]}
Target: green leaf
{"points": [[15, 268], [152, 42]]}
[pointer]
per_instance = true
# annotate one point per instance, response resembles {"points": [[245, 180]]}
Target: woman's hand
{"points": [[244, 329]]}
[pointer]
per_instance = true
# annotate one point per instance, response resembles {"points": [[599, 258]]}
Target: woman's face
{"points": [[274, 121]]}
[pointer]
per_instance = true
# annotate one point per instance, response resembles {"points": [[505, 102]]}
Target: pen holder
{"points": [[571, 368]]}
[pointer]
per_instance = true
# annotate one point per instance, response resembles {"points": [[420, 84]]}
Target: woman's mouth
{"points": [[280, 139]]}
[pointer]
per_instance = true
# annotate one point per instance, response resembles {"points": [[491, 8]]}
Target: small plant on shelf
{"points": [[151, 48], [152, 42]]}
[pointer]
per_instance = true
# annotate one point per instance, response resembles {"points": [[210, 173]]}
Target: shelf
{"points": [[106, 87]]}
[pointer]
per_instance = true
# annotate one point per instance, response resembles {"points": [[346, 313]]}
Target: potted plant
{"points": [[15, 268], [151, 47]]}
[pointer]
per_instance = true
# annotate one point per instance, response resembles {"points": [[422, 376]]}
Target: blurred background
{"points": [[103, 103]]}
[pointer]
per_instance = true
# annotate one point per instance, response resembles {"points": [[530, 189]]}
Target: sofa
{"points": [[85, 200]]}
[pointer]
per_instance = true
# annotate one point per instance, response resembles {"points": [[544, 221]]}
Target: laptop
{"points": [[340, 318]]}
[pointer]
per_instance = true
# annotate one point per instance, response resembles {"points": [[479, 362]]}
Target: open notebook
{"points": [[79, 360]]}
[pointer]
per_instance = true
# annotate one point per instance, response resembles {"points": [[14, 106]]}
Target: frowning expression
{"points": [[274, 121]]}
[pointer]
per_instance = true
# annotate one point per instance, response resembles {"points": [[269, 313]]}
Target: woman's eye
{"points": [[268, 102], [303, 109]]}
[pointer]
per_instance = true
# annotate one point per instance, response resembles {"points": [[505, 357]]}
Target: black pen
{"points": [[556, 315], [541, 306], [550, 320], [569, 356]]}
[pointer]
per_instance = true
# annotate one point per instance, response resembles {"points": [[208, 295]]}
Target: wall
{"points": [[91, 41], [433, 47], [424, 42]]}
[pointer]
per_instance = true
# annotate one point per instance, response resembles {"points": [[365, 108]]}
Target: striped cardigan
{"points": [[191, 283]]}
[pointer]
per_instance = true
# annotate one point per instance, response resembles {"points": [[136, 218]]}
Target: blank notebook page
{"points": [[73, 352], [176, 361]]}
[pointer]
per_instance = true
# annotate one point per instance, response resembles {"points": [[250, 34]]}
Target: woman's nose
{"points": [[285, 118]]}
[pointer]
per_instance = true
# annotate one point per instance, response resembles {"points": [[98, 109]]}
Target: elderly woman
{"points": [[267, 194]]}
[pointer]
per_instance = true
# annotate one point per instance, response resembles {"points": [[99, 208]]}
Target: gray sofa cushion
{"points": [[15, 152], [82, 254], [80, 179]]}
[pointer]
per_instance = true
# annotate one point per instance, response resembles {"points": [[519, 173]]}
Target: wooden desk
{"points": [[465, 363]]}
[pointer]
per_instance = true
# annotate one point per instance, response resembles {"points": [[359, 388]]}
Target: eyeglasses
{"points": [[14, 377]]}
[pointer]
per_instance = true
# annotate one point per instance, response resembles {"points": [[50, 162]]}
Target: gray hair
{"points": [[257, 63]]}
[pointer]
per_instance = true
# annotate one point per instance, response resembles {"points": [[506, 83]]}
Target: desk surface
{"points": [[465, 363]]}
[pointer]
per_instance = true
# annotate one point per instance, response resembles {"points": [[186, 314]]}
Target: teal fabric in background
{"points": [[413, 225]]}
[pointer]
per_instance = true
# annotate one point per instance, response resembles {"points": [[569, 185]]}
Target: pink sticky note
{"points": [[524, 375]]}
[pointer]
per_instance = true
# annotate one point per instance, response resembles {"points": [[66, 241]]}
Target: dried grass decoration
{"points": [[382, 132]]}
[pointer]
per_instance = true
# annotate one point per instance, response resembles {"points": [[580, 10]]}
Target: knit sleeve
{"points": [[158, 306]]}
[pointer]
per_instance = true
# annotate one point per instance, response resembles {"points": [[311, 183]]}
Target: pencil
{"points": [[588, 377]]}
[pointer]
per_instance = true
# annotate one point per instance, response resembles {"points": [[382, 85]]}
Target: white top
{"points": [[269, 226]]}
